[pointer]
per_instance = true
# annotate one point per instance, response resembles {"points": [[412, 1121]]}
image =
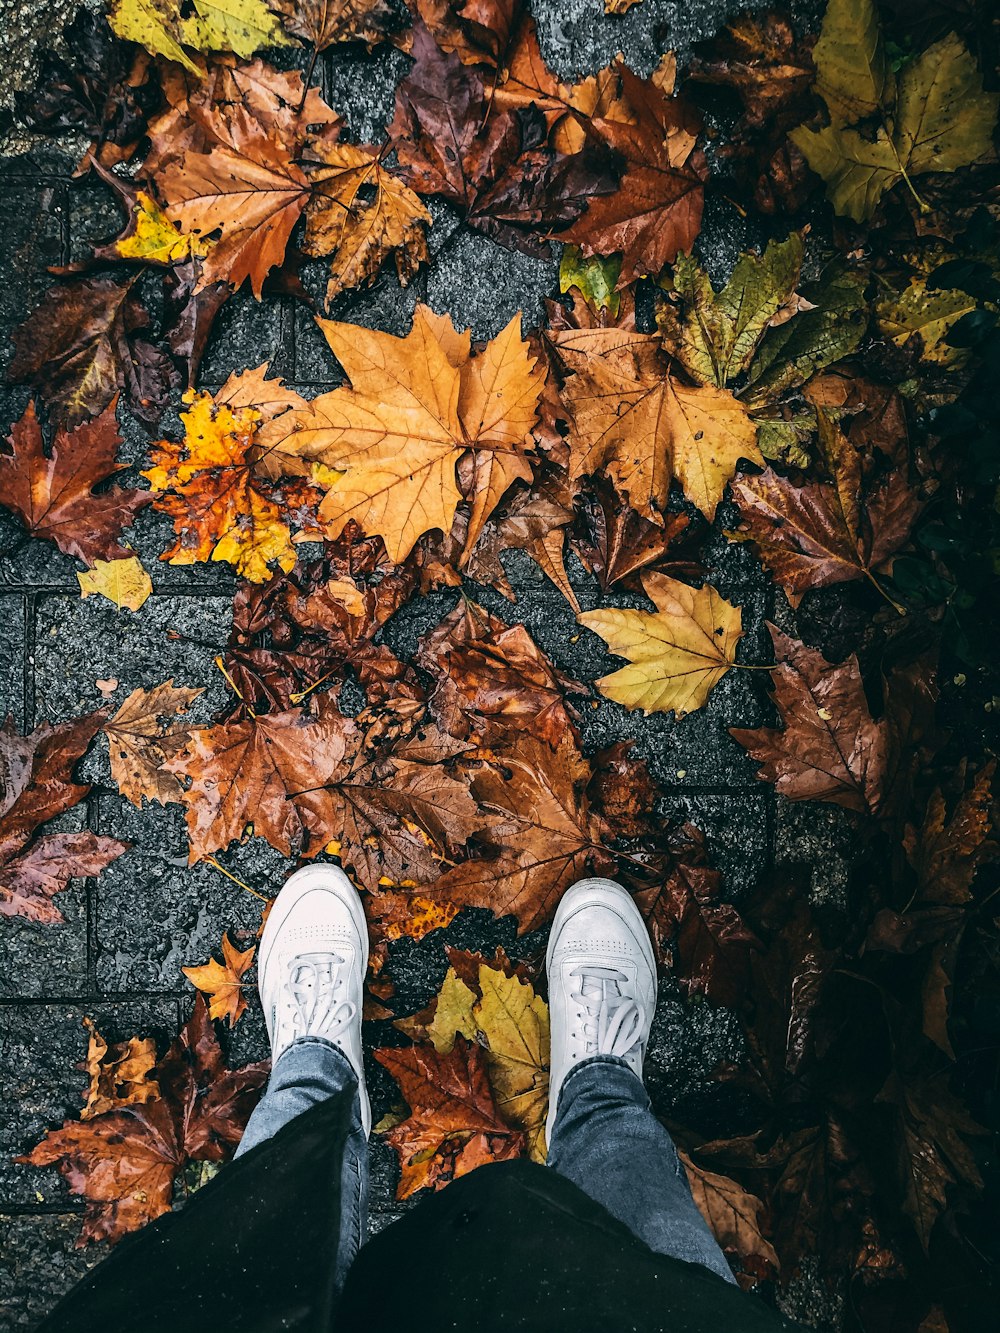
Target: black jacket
{"points": [[508, 1247]]}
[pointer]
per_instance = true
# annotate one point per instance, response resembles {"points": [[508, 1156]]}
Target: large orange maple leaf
{"points": [[388, 444]]}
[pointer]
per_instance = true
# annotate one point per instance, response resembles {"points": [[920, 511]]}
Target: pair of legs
{"points": [[602, 1133]]}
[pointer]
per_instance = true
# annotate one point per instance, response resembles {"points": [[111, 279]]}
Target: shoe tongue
{"points": [[595, 989]]}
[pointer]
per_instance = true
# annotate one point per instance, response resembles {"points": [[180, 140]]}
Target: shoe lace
{"points": [[312, 996], [610, 1022]]}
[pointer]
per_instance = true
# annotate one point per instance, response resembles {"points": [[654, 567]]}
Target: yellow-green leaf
{"points": [[241, 26], [929, 313], [124, 582], [595, 278], [154, 237], [714, 334], [857, 170], [152, 24], [944, 118], [514, 1022], [852, 74]]}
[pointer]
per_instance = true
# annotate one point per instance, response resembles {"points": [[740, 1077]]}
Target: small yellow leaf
{"points": [[124, 582], [154, 237], [676, 654]]}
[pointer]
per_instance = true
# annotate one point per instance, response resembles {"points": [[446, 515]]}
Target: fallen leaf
{"points": [[249, 188], [325, 23], [54, 496], [699, 936], [514, 1024], [119, 1075], [124, 1162], [454, 1124], [492, 679], [242, 26], [83, 346], [830, 748], [308, 628], [928, 314], [385, 448], [645, 428], [36, 785], [209, 485], [828, 532], [244, 775], [454, 140], [619, 542], [153, 239], [677, 653], [124, 582], [543, 831], [656, 211], [935, 116], [223, 982], [734, 1216], [138, 746], [360, 214]]}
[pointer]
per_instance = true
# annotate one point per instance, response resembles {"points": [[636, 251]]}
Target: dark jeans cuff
{"points": [[596, 1063]]}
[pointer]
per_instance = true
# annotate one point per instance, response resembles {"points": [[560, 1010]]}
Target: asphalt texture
{"points": [[118, 957]]}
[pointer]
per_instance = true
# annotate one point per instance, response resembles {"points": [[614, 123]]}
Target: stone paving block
{"points": [[78, 642], [13, 609], [482, 285], [688, 1040], [385, 306], [95, 218], [819, 839], [246, 332], [154, 914], [41, 1263], [361, 86], [41, 1046], [738, 833], [31, 236]]}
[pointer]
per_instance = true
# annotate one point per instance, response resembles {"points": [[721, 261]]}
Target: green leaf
{"points": [[939, 118], [792, 353], [714, 335], [857, 170], [595, 278], [786, 441], [852, 73]]}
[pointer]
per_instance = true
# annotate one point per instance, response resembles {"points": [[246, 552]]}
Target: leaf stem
{"points": [[229, 875]]}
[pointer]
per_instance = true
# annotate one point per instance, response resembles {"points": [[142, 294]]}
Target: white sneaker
{"points": [[602, 981], [311, 966]]}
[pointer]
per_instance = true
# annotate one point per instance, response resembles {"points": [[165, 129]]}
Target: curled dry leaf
{"points": [[492, 679], [124, 1162], [36, 784], [223, 982], [677, 653], [119, 1074], [54, 495], [139, 745], [360, 214]]}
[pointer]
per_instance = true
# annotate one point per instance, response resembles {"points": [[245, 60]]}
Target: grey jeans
{"points": [[605, 1139]]}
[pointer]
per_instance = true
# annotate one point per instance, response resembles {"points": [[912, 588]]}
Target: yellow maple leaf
{"points": [[359, 233], [386, 447], [223, 982], [152, 236], [514, 1022], [241, 26], [676, 654], [124, 582]]}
